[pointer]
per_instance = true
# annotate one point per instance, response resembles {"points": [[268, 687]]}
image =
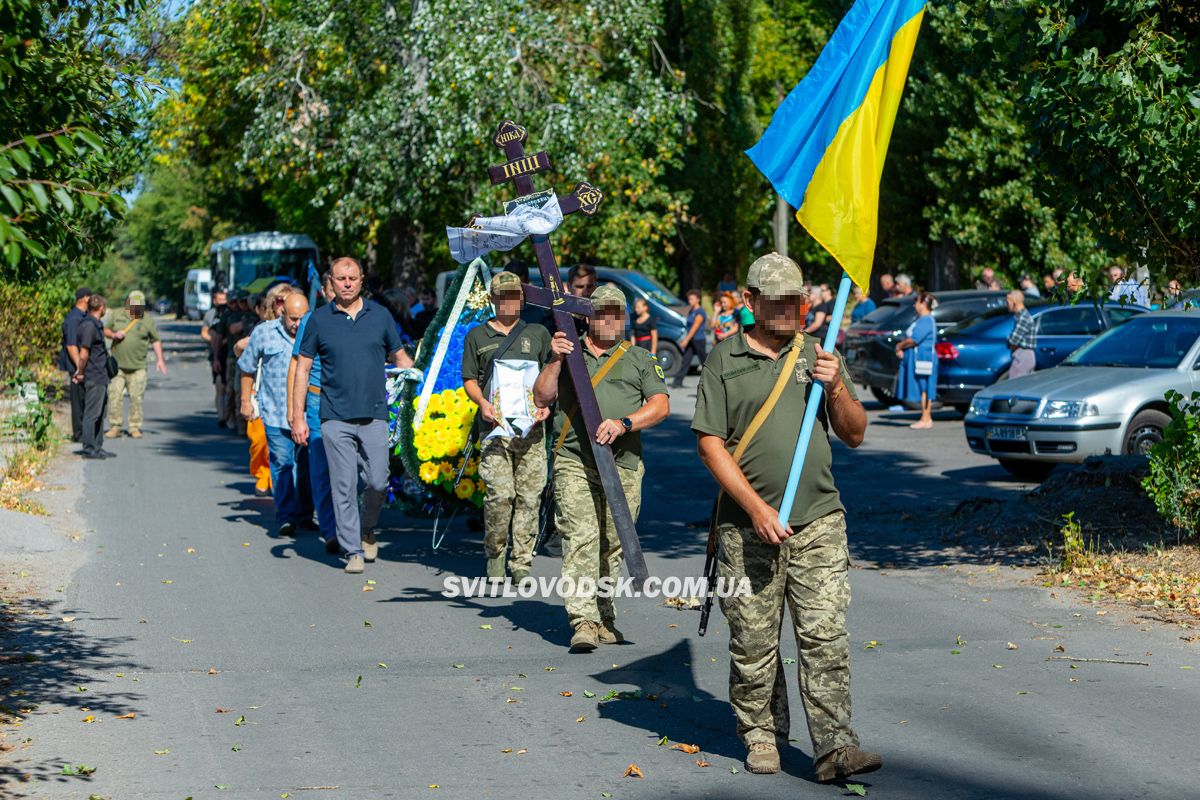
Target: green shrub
{"points": [[1174, 480], [31, 327]]}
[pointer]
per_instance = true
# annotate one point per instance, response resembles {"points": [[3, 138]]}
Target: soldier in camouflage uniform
{"points": [[632, 397], [512, 467], [802, 565]]}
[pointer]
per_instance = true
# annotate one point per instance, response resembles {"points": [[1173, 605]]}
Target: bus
{"points": [[252, 261]]}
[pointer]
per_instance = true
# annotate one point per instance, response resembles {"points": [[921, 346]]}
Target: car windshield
{"points": [[1148, 342], [254, 264], [883, 314], [654, 289], [974, 324]]}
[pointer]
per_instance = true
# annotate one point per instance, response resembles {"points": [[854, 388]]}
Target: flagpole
{"points": [[813, 405]]}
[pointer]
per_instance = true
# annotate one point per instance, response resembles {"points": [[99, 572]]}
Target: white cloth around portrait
{"points": [[512, 397], [489, 234]]}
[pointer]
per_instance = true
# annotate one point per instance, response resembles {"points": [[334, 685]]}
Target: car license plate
{"points": [[1007, 433]]}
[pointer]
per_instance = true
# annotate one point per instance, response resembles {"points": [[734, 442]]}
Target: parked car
{"points": [[667, 309], [163, 306], [870, 343], [1106, 397], [974, 354]]}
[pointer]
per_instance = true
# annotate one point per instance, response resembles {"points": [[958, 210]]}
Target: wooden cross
{"points": [[510, 137]]}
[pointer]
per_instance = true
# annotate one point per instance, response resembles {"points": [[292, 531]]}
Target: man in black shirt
{"points": [[68, 359], [91, 372]]}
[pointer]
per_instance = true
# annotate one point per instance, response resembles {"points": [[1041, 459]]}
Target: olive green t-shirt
{"points": [[624, 390], [131, 351], [734, 384], [483, 342]]}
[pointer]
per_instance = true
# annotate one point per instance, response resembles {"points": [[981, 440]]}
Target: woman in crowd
{"points": [[918, 361], [725, 320], [644, 326]]}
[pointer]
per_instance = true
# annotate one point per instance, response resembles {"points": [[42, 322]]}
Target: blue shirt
{"points": [[70, 333], [862, 309], [353, 351], [314, 377], [270, 342], [1131, 289], [691, 318]]}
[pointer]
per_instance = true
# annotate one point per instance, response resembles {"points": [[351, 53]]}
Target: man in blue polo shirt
{"points": [[305, 402], [354, 337]]}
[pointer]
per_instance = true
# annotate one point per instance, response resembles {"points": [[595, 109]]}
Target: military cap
{"points": [[608, 295], [775, 275], [136, 298], [505, 281]]}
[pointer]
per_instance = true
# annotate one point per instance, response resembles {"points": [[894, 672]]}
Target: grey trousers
{"points": [[1024, 362], [353, 449]]}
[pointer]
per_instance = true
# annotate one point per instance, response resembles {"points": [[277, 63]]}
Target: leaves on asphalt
{"points": [[1012, 646], [162, 752], [458, 666], [857, 788], [700, 762], [223, 710], [662, 741], [633, 771], [567, 694], [581, 719], [589, 694], [89, 718], [241, 720], [872, 645], [367, 624], [690, 749], [130, 715], [81, 770], [358, 683], [485, 627]]}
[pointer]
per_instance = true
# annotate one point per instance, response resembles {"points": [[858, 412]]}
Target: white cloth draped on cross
{"points": [[489, 234]]}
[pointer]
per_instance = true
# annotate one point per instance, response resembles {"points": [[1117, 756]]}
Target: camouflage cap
{"points": [[505, 281], [608, 295], [776, 275], [136, 298]]}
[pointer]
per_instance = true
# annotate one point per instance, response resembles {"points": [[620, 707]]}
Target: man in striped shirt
{"points": [[1022, 341]]}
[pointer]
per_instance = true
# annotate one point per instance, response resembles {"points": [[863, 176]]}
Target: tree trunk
{"points": [[945, 265], [401, 262], [783, 215]]}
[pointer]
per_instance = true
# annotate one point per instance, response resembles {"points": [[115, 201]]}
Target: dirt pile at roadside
{"points": [[1104, 493]]}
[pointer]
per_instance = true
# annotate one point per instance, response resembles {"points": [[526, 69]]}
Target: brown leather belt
{"points": [[314, 389]]}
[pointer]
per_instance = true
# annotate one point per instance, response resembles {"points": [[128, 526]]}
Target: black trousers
{"points": [[697, 347], [95, 403], [75, 391]]}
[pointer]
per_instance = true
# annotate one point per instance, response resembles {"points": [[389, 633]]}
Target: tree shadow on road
{"points": [[534, 615], [46, 664]]}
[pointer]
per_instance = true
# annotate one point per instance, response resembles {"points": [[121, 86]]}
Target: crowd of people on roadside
{"points": [[99, 375]]}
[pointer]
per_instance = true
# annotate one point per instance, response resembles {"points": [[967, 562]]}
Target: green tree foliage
{"points": [[366, 121], [69, 94], [963, 187], [1110, 96]]}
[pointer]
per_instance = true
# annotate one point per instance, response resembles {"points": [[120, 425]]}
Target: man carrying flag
{"points": [[760, 392]]}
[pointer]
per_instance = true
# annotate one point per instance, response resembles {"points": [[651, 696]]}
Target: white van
{"points": [[197, 293]]}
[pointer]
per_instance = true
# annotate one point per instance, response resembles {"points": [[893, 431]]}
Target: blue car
{"points": [[975, 354]]}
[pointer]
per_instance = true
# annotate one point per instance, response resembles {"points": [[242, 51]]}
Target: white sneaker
{"points": [[369, 546], [355, 565]]}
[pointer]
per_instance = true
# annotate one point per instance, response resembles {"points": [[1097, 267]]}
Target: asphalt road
{"points": [[256, 668]]}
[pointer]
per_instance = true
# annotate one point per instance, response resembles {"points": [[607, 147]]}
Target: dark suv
{"points": [[870, 344]]}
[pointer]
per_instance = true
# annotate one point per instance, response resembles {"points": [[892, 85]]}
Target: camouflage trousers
{"points": [[133, 381], [809, 572], [590, 545], [514, 471]]}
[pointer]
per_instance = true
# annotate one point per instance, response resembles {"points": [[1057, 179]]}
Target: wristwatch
{"points": [[628, 423]]}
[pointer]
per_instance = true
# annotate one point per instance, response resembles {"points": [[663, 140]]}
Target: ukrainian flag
{"points": [[826, 143]]}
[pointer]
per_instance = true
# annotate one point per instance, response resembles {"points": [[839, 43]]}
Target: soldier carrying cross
{"points": [[608, 393]]}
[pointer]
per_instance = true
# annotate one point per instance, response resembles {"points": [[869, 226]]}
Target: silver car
{"points": [[1106, 397]]}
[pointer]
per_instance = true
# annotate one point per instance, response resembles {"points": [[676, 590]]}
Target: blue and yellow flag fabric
{"points": [[826, 143]]}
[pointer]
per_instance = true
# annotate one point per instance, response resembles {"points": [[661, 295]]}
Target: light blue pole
{"points": [[814, 404]]}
